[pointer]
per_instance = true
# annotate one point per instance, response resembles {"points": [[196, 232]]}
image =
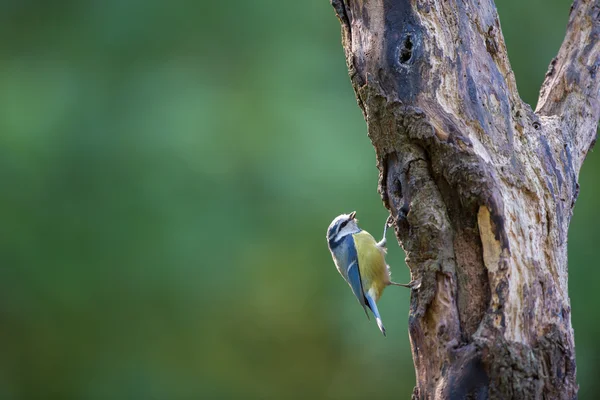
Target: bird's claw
{"points": [[391, 220]]}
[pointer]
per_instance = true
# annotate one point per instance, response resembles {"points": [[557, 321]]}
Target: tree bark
{"points": [[481, 187]]}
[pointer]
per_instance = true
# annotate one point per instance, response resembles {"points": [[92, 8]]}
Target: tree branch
{"points": [[569, 101]]}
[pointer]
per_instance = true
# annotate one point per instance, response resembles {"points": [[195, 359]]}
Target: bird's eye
{"points": [[343, 224]]}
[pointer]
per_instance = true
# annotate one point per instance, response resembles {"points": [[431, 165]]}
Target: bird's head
{"points": [[342, 226]]}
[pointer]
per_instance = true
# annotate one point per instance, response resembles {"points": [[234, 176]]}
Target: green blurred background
{"points": [[169, 171]]}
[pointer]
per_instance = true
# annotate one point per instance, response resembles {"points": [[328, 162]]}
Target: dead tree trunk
{"points": [[481, 186]]}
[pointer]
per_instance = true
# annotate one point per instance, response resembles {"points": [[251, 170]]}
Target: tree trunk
{"points": [[481, 187]]}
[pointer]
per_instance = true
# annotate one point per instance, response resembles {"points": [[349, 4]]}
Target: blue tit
{"points": [[361, 261]]}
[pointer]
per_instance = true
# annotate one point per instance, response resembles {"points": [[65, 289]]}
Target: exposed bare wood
{"points": [[482, 188]]}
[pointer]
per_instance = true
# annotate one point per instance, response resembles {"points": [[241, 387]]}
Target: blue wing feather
{"points": [[356, 284], [344, 252]]}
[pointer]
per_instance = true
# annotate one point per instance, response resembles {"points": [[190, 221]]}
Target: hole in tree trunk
{"points": [[406, 50]]}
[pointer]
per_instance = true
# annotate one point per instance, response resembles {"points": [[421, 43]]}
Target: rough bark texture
{"points": [[481, 186]]}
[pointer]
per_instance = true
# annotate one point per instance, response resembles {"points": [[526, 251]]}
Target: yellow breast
{"points": [[371, 263]]}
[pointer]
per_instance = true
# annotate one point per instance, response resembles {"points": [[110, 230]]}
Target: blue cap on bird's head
{"points": [[341, 226]]}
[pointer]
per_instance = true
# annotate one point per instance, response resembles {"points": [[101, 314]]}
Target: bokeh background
{"points": [[168, 172]]}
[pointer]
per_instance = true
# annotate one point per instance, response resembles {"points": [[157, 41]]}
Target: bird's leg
{"points": [[388, 222], [391, 220], [408, 285], [411, 285]]}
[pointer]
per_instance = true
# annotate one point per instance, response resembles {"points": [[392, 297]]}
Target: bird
{"points": [[360, 260]]}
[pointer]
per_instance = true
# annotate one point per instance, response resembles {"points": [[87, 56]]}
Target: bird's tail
{"points": [[373, 307]]}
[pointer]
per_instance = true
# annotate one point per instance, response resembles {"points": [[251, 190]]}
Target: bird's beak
{"points": [[352, 215]]}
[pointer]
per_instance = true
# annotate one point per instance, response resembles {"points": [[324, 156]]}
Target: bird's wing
{"points": [[356, 284]]}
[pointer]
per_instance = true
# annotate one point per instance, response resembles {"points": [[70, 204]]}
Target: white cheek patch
{"points": [[346, 230]]}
